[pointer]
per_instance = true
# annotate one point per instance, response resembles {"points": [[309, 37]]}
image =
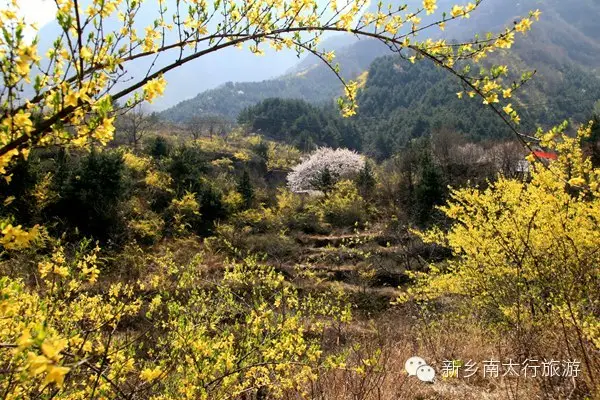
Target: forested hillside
{"points": [[401, 101], [564, 49], [301, 124]]}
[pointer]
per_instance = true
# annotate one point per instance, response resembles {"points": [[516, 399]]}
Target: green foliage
{"points": [[343, 206], [187, 165], [366, 180], [401, 101], [593, 142], [323, 181], [301, 124], [26, 174], [212, 207], [91, 192], [262, 150], [158, 147], [429, 191], [246, 189], [118, 196], [413, 183]]}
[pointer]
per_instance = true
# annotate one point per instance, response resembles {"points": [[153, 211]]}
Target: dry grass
{"points": [[387, 336], [394, 337]]}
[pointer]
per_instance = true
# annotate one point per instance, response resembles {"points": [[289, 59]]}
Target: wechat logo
{"points": [[416, 366]]}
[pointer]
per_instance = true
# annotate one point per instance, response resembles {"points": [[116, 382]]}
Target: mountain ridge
{"points": [[563, 40]]}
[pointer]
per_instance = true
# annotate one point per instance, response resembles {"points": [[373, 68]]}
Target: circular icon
{"points": [[425, 373], [412, 364]]}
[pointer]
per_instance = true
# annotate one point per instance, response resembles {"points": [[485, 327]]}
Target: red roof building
{"points": [[544, 155]]}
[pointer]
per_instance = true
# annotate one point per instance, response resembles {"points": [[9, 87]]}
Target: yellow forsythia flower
{"points": [[154, 88], [150, 374], [430, 6], [52, 348], [56, 375], [37, 363], [524, 25], [577, 182]]}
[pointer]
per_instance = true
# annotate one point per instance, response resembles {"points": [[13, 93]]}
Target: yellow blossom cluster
{"points": [[135, 162], [430, 6], [154, 88], [526, 252], [15, 237], [71, 338]]}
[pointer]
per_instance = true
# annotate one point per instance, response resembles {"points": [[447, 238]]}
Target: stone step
{"points": [[349, 240], [350, 274]]}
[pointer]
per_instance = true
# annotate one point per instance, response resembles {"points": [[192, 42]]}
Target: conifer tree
{"points": [[246, 189]]}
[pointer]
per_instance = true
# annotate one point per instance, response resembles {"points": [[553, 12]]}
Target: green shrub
{"points": [[188, 164], [91, 195], [271, 245], [343, 207], [158, 147], [308, 220], [260, 220]]}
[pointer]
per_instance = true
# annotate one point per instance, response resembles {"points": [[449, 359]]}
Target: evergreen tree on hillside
{"points": [[365, 181], [246, 189], [593, 141], [159, 147], [429, 190], [401, 101], [91, 195]]}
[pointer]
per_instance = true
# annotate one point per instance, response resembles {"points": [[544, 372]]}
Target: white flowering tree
{"points": [[323, 168]]}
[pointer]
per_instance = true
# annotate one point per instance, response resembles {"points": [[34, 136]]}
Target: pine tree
{"points": [[594, 141], [429, 191], [366, 180], [246, 189], [159, 147], [324, 181]]}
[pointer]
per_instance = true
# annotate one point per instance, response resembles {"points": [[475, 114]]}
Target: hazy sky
{"points": [[38, 11], [206, 73]]}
